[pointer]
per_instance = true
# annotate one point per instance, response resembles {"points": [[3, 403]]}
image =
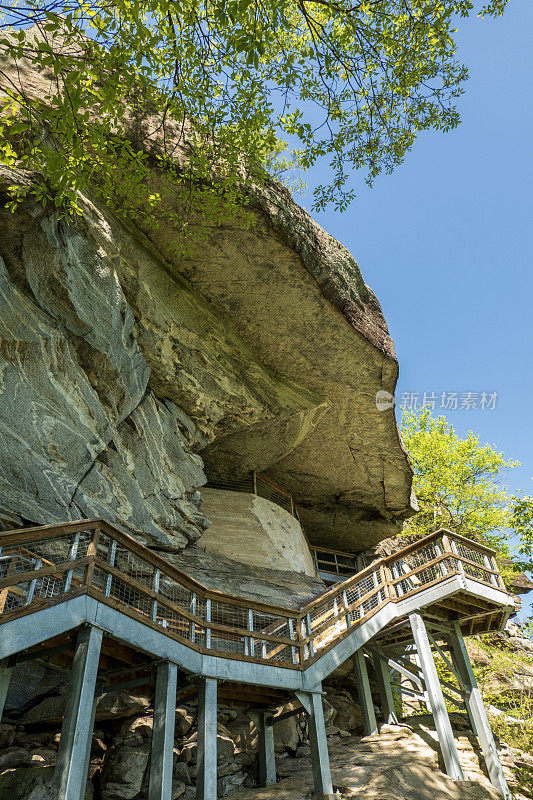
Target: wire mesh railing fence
{"points": [[255, 483], [50, 564]]}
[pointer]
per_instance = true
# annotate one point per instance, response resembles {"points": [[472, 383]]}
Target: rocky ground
{"points": [[401, 762]]}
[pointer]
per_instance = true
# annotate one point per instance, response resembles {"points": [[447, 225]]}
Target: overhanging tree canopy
{"points": [[353, 81]]}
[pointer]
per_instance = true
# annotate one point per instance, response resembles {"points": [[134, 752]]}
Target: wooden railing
{"points": [[50, 564]]}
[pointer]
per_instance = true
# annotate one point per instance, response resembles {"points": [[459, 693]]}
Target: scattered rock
{"points": [[184, 721], [181, 773], [15, 757], [347, 713], [178, 789], [229, 783]]}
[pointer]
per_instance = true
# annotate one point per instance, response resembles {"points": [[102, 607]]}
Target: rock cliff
{"points": [[122, 362], [122, 372]]}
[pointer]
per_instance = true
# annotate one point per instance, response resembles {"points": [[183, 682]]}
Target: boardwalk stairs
{"points": [[87, 588]]}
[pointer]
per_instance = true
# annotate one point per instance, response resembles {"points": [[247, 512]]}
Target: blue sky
{"points": [[446, 243]]}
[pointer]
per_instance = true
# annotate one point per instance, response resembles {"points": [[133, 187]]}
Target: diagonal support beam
{"points": [[401, 665], [365, 695], [396, 686], [70, 776], [162, 754], [448, 662], [206, 782], [457, 672], [323, 787], [436, 698], [476, 711]]}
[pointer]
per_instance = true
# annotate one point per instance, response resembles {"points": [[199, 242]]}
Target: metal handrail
{"points": [[256, 483], [96, 558]]}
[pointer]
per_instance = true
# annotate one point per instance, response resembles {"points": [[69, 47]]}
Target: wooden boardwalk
{"points": [[90, 578]]}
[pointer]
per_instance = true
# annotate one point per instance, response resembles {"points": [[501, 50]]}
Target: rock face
{"points": [[123, 369], [82, 435], [89, 422]]}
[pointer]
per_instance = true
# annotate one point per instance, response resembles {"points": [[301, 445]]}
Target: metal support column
{"points": [[319, 748], [206, 782], [457, 671], [88, 752], [396, 686], [385, 690], [70, 775], [436, 698], [365, 695], [5, 678], [267, 758], [476, 710], [162, 753]]}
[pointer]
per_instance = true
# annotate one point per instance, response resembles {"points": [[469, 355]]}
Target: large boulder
{"points": [[124, 772], [110, 705], [226, 748]]}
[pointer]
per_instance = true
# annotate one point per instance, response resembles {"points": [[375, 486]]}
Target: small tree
{"points": [[458, 483], [522, 523]]}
